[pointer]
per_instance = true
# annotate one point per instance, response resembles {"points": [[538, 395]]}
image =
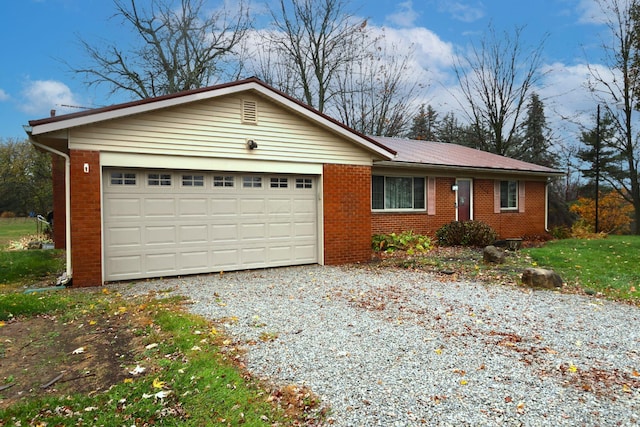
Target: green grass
{"points": [[30, 266], [610, 266], [15, 228], [204, 387]]}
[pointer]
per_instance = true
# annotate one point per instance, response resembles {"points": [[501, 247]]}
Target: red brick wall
{"points": [[511, 224], [86, 243], [347, 213], [507, 224], [59, 204]]}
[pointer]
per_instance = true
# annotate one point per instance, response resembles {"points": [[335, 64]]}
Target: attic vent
{"points": [[249, 111]]}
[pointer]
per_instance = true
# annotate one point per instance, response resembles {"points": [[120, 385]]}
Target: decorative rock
{"points": [[493, 255], [541, 278]]}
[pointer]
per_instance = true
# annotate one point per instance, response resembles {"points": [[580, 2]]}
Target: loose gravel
{"points": [[387, 347]]}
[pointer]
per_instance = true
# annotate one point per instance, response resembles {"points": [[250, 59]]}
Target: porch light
{"points": [[454, 187], [251, 144]]}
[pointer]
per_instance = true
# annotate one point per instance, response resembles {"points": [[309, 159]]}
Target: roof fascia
{"points": [[465, 169], [216, 92]]}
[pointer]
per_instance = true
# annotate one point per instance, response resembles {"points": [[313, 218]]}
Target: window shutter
{"points": [[520, 196], [431, 196], [496, 196]]}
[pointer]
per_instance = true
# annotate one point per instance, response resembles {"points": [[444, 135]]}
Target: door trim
{"points": [[470, 181]]}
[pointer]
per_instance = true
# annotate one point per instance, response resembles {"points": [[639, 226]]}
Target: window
{"points": [[159, 179], [509, 195], [223, 181], [251, 182], [120, 178], [279, 183], [304, 183], [396, 192], [193, 180]]}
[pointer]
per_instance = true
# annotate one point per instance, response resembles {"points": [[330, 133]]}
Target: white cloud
{"points": [[405, 16], [461, 11], [589, 12], [41, 96], [4, 96]]}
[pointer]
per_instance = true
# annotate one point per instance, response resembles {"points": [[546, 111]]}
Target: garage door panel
{"points": [[124, 266], [160, 235], [193, 207], [125, 208], [255, 231], [160, 208], [194, 260], [198, 233], [161, 263], [124, 236], [153, 231]]}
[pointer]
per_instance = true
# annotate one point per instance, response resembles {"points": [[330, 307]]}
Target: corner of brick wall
{"points": [[347, 213], [86, 231], [59, 202]]}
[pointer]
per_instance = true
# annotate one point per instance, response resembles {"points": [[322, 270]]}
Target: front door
{"points": [[463, 203]]}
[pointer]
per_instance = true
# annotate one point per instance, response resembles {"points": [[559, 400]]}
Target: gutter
{"points": [[66, 277]]}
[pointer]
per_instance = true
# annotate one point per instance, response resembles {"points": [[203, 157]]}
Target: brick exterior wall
{"points": [[511, 224], [86, 226], [507, 224], [59, 204], [347, 213]]}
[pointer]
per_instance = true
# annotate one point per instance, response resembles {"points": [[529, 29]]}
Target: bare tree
{"points": [[179, 48], [496, 78], [616, 89], [374, 95], [314, 39]]}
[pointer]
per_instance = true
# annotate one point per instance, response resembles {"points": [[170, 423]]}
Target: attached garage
{"points": [[229, 177], [168, 223]]}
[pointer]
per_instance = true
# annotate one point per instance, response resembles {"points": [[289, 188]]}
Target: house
{"points": [[240, 176]]}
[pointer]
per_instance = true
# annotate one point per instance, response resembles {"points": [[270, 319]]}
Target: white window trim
{"points": [[400, 210]]}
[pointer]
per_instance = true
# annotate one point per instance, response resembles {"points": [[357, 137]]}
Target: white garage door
{"points": [[159, 223]]}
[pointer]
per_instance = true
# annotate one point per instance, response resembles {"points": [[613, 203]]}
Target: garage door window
{"points": [[193, 180], [159, 179], [304, 183], [223, 181], [279, 183], [251, 182], [120, 178]]}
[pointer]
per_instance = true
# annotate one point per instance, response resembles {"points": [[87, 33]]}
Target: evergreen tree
{"points": [[598, 155], [450, 130], [536, 134], [425, 124]]}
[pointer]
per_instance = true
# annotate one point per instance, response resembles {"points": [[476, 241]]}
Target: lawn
{"points": [[94, 357], [15, 228], [609, 266]]}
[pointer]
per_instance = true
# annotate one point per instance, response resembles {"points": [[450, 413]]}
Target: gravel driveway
{"points": [[386, 347]]}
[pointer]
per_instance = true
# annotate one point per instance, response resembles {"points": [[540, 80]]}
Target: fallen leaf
{"points": [[127, 380], [162, 394], [195, 348], [137, 370], [626, 388], [635, 373], [79, 350], [105, 291], [508, 399], [158, 384], [150, 346], [520, 408], [1, 324], [438, 351], [464, 382], [572, 368], [91, 408]]}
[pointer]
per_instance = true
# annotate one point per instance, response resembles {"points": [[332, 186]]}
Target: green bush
{"points": [[467, 233], [405, 241]]}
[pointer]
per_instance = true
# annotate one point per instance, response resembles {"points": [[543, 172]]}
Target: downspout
{"points": [[546, 206], [67, 200]]}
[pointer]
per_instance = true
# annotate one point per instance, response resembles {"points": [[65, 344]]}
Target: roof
{"points": [[87, 117], [453, 156]]}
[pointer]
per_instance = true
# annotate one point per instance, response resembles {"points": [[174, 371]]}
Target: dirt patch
{"points": [[44, 356]]}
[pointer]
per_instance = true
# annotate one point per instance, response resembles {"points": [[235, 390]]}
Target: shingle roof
{"points": [[455, 156]]}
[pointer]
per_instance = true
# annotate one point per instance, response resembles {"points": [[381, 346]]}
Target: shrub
{"points": [[467, 233], [405, 241], [8, 214], [560, 232], [479, 234]]}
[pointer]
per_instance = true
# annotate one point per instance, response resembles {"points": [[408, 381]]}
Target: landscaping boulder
{"points": [[492, 255], [541, 278]]}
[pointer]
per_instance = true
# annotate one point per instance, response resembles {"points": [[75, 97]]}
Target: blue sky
{"points": [[38, 35]]}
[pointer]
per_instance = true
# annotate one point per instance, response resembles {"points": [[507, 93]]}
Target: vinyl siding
{"points": [[213, 128]]}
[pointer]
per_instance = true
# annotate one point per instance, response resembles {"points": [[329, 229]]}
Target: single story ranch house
{"points": [[241, 176]]}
